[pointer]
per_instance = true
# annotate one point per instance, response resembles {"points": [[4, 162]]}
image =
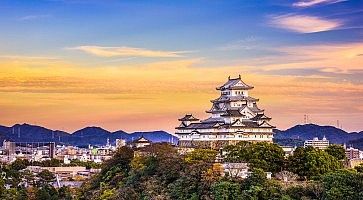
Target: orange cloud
{"points": [[152, 96], [337, 58]]}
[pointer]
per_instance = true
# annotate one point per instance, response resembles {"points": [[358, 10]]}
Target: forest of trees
{"points": [[159, 172]]}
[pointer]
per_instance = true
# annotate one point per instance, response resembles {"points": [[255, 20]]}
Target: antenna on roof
{"points": [[239, 76]]}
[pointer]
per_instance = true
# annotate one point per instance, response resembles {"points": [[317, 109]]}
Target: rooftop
{"points": [[235, 83]]}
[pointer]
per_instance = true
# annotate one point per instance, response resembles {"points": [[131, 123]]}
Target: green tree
{"points": [[263, 155], [64, 193], [343, 185], [226, 190], [46, 176], [47, 192], [311, 163], [256, 178], [337, 151], [201, 155], [359, 168], [19, 164]]}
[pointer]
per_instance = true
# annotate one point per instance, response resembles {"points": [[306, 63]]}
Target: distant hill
{"points": [[358, 143], [98, 136], [82, 137], [299, 133]]}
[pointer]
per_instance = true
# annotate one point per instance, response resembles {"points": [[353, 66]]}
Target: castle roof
{"points": [[213, 119], [189, 117], [255, 109], [233, 113], [141, 139], [233, 98], [202, 125], [235, 84], [260, 117]]}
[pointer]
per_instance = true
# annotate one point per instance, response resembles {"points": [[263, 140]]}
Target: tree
{"points": [[336, 151], [201, 155], [47, 192], [46, 176], [51, 163], [65, 193], [359, 168], [263, 155], [311, 163], [256, 178], [19, 164], [226, 190], [343, 185]]}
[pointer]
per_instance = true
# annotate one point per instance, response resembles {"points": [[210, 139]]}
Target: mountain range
{"points": [[299, 133], [99, 136], [83, 137]]}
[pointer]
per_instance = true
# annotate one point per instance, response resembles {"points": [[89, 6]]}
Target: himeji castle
{"points": [[234, 117]]}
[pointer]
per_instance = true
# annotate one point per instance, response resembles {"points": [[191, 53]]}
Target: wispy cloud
{"points": [[33, 17], [245, 44], [304, 23], [21, 57], [309, 3], [125, 51]]}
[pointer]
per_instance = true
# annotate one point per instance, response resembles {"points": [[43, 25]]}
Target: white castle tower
{"points": [[234, 117]]}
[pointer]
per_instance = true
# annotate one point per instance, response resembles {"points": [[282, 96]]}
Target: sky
{"points": [[140, 65]]}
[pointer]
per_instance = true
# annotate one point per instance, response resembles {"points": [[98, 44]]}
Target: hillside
{"points": [[82, 137], [98, 136], [299, 133]]}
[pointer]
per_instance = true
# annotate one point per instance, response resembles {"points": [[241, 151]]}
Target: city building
{"points": [[35, 151], [66, 173], [234, 117], [316, 143], [353, 153], [98, 155]]}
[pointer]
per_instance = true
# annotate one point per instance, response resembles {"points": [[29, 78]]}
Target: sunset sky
{"points": [[140, 65]]}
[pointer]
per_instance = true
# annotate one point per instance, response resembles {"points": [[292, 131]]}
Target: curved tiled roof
{"points": [[233, 98], [189, 117], [232, 84]]}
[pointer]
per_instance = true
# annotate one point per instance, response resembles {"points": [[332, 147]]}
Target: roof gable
{"points": [[265, 124], [235, 83]]}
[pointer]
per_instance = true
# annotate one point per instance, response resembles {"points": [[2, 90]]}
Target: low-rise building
{"points": [[65, 173], [316, 143], [288, 150], [355, 162], [353, 153], [239, 170]]}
